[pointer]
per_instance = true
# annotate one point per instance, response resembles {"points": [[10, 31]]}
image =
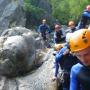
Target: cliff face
{"points": [[44, 4], [11, 14]]}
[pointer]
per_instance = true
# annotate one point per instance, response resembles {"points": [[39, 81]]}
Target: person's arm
{"points": [[62, 33], [57, 59], [48, 29], [56, 68], [74, 83], [39, 28], [55, 38], [82, 23]]}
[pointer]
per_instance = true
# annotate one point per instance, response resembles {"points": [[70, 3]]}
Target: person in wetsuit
{"points": [[79, 43], [58, 34], [44, 32], [85, 18], [71, 27], [65, 60], [44, 29]]}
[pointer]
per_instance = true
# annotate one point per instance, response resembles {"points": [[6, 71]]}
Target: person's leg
{"points": [[66, 81]]}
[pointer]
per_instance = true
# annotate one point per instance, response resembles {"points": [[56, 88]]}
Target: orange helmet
{"points": [[58, 46], [88, 7], [71, 23], [79, 40]]}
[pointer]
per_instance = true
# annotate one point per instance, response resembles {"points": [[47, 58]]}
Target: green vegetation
{"points": [[66, 10], [63, 10], [35, 12]]}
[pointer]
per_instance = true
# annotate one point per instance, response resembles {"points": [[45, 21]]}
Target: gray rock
{"points": [[39, 79], [12, 14], [18, 51]]}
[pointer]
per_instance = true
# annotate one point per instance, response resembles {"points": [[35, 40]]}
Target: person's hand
{"points": [[66, 52], [54, 78]]}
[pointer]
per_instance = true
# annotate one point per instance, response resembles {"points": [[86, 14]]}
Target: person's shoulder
{"points": [[62, 50], [85, 13], [65, 47], [68, 30], [77, 67], [40, 25]]}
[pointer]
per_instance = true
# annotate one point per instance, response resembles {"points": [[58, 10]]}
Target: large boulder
{"points": [[38, 79], [18, 51]]}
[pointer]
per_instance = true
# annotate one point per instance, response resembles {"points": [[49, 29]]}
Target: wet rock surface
{"points": [[18, 54], [19, 51], [38, 79]]}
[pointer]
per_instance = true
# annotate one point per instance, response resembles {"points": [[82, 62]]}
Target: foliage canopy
{"points": [[63, 10]]}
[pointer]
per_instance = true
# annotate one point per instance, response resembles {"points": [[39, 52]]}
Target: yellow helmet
{"points": [[58, 46], [79, 40]]}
